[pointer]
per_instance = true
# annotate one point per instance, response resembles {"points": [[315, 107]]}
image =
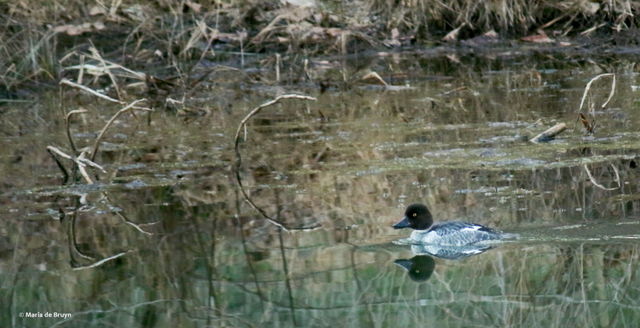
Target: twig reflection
{"points": [[246, 251], [242, 126], [285, 265], [74, 250], [210, 264], [356, 277]]}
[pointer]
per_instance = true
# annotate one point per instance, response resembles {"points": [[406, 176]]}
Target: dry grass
{"points": [[507, 17], [176, 35]]}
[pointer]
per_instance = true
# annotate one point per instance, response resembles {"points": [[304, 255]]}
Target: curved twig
{"points": [[267, 104], [242, 126], [81, 167], [595, 183], [80, 162], [66, 122], [101, 262], [65, 173], [124, 218], [588, 87], [71, 235], [96, 143], [613, 91], [133, 224], [590, 123]]}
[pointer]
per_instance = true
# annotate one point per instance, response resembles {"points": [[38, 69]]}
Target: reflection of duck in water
{"points": [[419, 268], [418, 217]]}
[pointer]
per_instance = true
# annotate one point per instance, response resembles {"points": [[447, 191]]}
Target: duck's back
{"points": [[455, 234]]}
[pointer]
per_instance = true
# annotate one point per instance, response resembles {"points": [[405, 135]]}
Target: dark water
{"points": [[185, 249]]}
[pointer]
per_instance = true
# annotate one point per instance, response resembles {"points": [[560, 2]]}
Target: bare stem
{"points": [[80, 161], [101, 262], [91, 91], [588, 87], [96, 144], [242, 126], [267, 104], [66, 122], [97, 55], [60, 166], [82, 168], [595, 183]]}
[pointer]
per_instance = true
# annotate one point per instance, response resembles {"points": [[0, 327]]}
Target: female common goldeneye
{"points": [[418, 217]]}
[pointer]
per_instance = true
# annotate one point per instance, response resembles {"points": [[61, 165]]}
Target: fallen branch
{"points": [[105, 67], [241, 127], [133, 74], [549, 134], [91, 91], [97, 56]]}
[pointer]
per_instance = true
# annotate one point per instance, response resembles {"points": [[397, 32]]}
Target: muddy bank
{"points": [[175, 36]]}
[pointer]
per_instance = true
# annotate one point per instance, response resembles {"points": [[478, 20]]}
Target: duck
{"points": [[449, 252], [455, 233]]}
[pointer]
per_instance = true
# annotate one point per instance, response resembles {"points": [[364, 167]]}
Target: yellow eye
{"points": [[415, 214]]}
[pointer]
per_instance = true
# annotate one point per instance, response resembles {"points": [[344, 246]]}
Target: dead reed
{"points": [[37, 35]]}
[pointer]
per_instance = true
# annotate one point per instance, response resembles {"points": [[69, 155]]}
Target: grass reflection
{"points": [[350, 165]]}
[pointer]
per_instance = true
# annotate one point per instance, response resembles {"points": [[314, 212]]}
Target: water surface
{"points": [[187, 249]]}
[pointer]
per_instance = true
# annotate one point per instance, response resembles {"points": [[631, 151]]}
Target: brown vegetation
{"points": [[36, 35]]}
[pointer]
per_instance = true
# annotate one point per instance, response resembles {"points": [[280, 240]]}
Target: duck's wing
{"points": [[447, 228], [462, 233]]}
